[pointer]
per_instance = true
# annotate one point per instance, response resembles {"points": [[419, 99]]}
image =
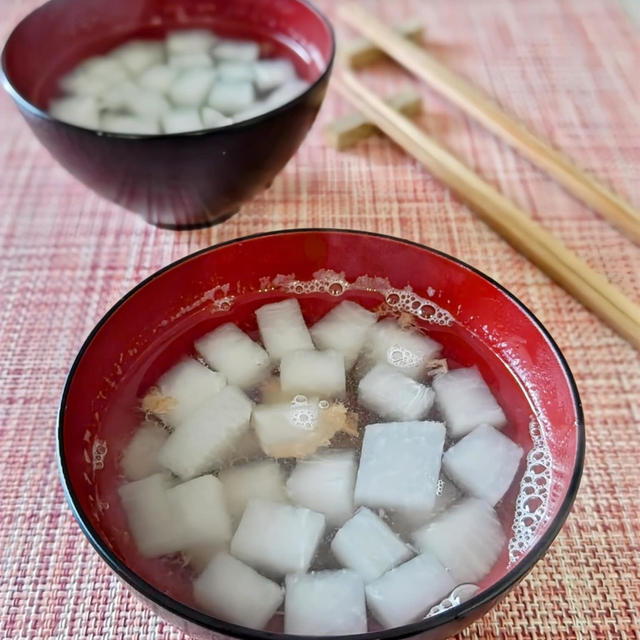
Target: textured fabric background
{"points": [[567, 68]]}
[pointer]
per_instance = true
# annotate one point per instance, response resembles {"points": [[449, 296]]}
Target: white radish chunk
{"points": [[404, 594], [277, 539], [287, 92], [117, 97], [138, 55], [147, 104], [79, 110], [232, 591], [129, 125], [190, 41], [271, 73], [344, 329], [236, 70], [191, 87], [324, 483], [400, 465], [104, 67], [181, 120], [239, 50], [258, 108], [204, 440], [189, 61], [231, 351], [483, 463], [229, 97], [325, 603], [212, 118], [282, 328], [139, 458], [152, 523], [467, 539], [200, 555], [78, 83], [263, 479], [297, 429], [312, 372], [182, 390], [393, 395], [466, 401], [200, 506], [368, 546], [407, 350], [158, 78], [446, 494]]}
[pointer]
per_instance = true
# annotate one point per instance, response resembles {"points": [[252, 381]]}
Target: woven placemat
{"points": [[568, 69]]}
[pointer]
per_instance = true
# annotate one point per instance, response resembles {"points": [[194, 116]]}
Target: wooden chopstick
{"points": [[526, 235], [481, 107]]}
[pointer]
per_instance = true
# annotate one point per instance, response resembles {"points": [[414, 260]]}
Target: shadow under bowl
{"points": [[180, 180], [476, 320]]}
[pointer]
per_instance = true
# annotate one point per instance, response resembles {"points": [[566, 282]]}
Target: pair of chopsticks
{"points": [[527, 236]]}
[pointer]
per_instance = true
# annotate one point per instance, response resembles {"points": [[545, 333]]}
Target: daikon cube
{"points": [[190, 41], [446, 494], [407, 350], [147, 103], [232, 352], [466, 401], [404, 594], [344, 329], [231, 96], [236, 70], [282, 328], [400, 465], [271, 73], [212, 118], [294, 429], [312, 372], [79, 110], [287, 92], [232, 591], [200, 555], [207, 436], [78, 83], [187, 61], [200, 506], [191, 87], [393, 395], [367, 545], [139, 458], [138, 55], [324, 483], [181, 120], [483, 463], [183, 389], [253, 111], [263, 479], [126, 124], [104, 67], [277, 539], [244, 50], [152, 523], [94, 76], [325, 603], [467, 539], [118, 96], [158, 78]]}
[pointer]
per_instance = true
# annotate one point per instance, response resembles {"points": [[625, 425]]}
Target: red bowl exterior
{"points": [[179, 180], [155, 324]]}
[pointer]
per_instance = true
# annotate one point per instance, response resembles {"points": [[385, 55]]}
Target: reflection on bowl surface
{"points": [[475, 319], [178, 180]]}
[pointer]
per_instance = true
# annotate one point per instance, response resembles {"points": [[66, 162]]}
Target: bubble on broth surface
{"points": [[403, 358], [303, 413], [533, 495], [460, 594]]}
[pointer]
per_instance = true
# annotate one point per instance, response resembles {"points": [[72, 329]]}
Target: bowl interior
{"points": [[477, 321], [60, 34]]}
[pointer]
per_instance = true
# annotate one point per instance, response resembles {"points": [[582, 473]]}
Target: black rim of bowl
{"points": [[459, 612], [29, 106]]}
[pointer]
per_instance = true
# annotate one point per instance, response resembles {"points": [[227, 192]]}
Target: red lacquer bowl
{"points": [[477, 321], [178, 180]]}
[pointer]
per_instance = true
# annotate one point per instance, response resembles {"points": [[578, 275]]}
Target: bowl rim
{"points": [[484, 598], [45, 115]]}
